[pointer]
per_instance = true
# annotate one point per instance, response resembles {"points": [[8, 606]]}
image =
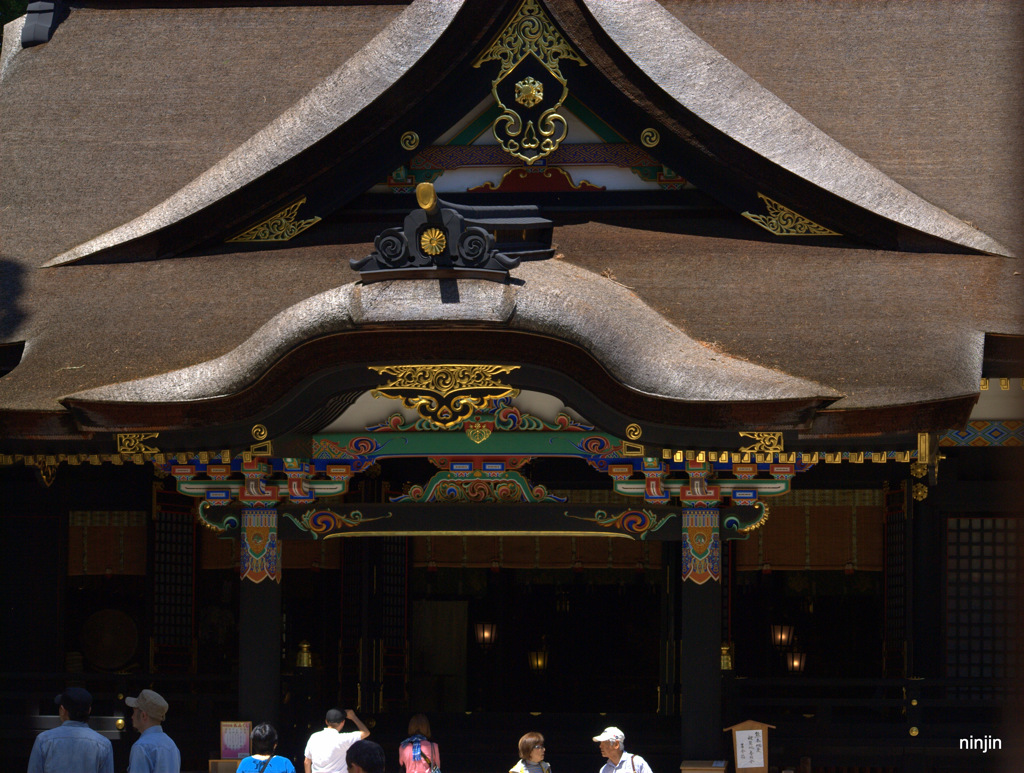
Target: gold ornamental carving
{"points": [[529, 50], [445, 395], [761, 521], [649, 138], [47, 473], [529, 92], [133, 443], [765, 443], [433, 241], [478, 433], [633, 432], [782, 221], [279, 227], [410, 141]]}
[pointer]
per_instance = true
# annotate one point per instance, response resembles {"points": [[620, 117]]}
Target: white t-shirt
{"points": [[326, 749]]}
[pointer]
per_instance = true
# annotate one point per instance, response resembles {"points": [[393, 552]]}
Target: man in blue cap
{"points": [[73, 745]]}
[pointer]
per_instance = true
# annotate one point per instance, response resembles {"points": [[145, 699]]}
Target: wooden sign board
{"points": [[750, 746], [234, 740]]}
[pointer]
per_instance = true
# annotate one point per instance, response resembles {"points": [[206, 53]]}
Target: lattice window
{"points": [[173, 584], [895, 580], [983, 574]]}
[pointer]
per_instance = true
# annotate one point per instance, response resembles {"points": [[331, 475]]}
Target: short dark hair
{"points": [[367, 755], [263, 739], [77, 702], [334, 717]]}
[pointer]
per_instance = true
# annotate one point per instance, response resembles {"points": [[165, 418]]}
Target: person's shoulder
{"points": [[282, 765]]}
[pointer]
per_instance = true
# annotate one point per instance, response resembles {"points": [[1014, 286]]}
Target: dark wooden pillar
{"points": [[700, 604], [259, 629]]}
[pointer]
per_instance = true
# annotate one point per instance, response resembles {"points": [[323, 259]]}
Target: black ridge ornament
{"points": [[441, 239]]}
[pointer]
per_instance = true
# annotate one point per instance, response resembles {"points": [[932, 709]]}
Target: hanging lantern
{"points": [[727, 656], [782, 635], [795, 661], [539, 660], [304, 659], [485, 633]]}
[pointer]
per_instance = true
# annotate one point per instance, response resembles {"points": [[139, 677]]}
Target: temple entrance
{"points": [[478, 624], [490, 636], [535, 639]]}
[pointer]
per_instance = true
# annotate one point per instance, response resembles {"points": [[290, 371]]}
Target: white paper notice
{"points": [[749, 749]]}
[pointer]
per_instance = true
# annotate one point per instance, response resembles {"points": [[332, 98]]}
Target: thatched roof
{"points": [[128, 108]]}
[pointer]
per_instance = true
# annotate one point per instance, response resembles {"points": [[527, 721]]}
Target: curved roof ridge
{"points": [[362, 79], [638, 347], [684, 65]]}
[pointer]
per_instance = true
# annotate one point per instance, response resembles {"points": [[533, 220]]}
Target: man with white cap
{"points": [[612, 742], [72, 745], [154, 752]]}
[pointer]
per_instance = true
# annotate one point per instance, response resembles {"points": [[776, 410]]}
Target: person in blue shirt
{"points": [[154, 752], [262, 742], [73, 745]]}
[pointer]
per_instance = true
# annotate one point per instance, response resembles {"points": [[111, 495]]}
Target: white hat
{"points": [[150, 702], [611, 734]]}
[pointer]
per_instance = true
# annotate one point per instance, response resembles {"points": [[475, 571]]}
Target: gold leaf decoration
{"points": [[650, 137], [445, 395], [410, 141], [530, 39], [478, 433], [529, 92], [529, 31], [766, 442], [433, 241], [132, 443], [782, 221], [279, 227]]}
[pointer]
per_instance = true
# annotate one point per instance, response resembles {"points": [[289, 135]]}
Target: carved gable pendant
{"points": [[529, 87]]}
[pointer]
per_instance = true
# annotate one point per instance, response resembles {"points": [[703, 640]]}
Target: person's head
{"points": [[263, 739], [419, 725], [74, 704], [335, 718], [148, 710], [531, 747], [365, 757], [612, 743]]}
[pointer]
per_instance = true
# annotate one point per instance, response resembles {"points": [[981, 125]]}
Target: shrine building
{"points": [[532, 364]]}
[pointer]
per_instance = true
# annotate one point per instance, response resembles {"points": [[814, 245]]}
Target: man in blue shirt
{"points": [[73, 745], [154, 752]]}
